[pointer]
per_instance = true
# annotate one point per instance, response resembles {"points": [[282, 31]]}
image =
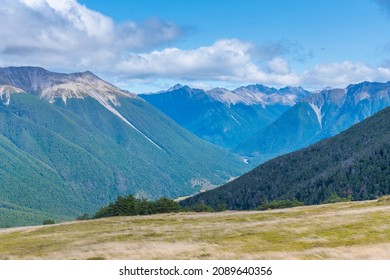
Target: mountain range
{"points": [[70, 143], [260, 123], [223, 117], [315, 117], [351, 165]]}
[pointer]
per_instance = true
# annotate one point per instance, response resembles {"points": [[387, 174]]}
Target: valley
{"points": [[260, 122], [350, 230], [194, 130], [352, 165], [72, 143]]}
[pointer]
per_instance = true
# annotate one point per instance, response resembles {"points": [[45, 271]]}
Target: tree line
{"points": [[132, 206]]}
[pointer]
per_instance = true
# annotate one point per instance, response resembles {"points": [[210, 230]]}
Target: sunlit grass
{"points": [[350, 230]]}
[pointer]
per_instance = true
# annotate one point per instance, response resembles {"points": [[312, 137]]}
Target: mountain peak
{"points": [[176, 87], [218, 90], [51, 86], [89, 73], [257, 88]]}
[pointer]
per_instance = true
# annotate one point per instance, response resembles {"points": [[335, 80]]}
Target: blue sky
{"points": [[149, 45]]}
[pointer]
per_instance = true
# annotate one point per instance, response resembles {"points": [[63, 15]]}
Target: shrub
{"points": [[279, 204], [85, 216], [334, 198], [201, 207], [131, 206], [48, 222]]}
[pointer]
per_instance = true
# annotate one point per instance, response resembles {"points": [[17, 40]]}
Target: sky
{"points": [[150, 45]]}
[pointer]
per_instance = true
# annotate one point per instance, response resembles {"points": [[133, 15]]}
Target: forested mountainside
{"points": [[354, 164]]}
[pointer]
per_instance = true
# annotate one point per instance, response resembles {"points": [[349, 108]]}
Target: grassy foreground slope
{"points": [[351, 230]]}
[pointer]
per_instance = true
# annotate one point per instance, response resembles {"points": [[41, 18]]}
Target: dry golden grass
{"points": [[351, 230]]}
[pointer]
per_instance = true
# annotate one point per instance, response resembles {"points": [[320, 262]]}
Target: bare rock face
{"points": [[51, 86], [6, 91]]}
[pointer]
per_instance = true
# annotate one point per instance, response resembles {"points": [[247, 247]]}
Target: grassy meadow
{"points": [[349, 230]]}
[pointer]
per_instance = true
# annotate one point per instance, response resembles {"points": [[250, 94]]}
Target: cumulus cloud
{"points": [[233, 61], [64, 32], [225, 60], [340, 74], [64, 35], [279, 65], [75, 17]]}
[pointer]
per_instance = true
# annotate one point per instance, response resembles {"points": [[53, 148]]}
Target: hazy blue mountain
{"points": [[74, 142], [354, 164], [225, 117], [317, 116]]}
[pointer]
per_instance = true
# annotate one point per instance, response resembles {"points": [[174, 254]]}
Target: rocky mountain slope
{"points": [[72, 142], [223, 117], [317, 116]]}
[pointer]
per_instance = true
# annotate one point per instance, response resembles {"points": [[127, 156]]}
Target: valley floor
{"points": [[352, 230]]}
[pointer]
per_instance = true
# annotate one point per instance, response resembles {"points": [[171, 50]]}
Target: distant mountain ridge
{"points": [[260, 122], [223, 117], [317, 116], [258, 94], [353, 164], [71, 143]]}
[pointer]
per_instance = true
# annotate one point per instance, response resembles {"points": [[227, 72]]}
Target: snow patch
{"points": [[115, 112], [234, 119], [317, 111]]}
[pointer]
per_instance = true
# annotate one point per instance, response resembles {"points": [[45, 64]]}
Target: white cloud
{"points": [[231, 61], [63, 35], [340, 74], [225, 60], [222, 60], [76, 16], [279, 65]]}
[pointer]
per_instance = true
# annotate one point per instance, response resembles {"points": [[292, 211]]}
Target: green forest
{"points": [[354, 165]]}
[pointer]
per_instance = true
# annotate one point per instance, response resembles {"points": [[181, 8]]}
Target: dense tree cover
{"points": [[300, 126], [59, 161], [225, 125], [199, 207], [334, 198], [131, 206], [279, 204], [352, 165], [48, 222]]}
